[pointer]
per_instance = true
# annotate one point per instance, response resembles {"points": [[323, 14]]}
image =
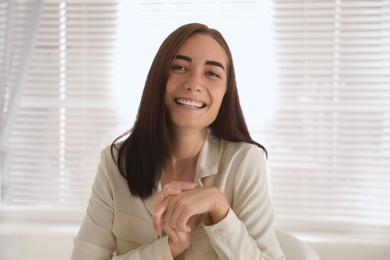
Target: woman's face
{"points": [[196, 83]]}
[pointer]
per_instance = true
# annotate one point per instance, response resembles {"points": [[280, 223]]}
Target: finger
{"points": [[174, 188], [158, 214], [160, 207], [173, 217], [183, 225], [171, 232], [186, 212], [166, 219], [181, 185], [174, 222], [165, 193], [169, 220], [175, 237], [157, 223]]}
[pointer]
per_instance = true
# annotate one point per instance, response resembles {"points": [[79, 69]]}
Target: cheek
{"points": [[219, 95]]}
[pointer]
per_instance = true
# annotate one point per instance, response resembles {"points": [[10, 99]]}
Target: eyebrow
{"points": [[209, 62]]}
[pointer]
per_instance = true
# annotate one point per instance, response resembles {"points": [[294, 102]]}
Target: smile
{"points": [[188, 103]]}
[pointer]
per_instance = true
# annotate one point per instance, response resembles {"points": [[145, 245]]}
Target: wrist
{"points": [[216, 217], [220, 210], [179, 247]]}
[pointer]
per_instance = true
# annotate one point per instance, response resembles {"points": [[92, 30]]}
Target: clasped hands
{"points": [[177, 207]]}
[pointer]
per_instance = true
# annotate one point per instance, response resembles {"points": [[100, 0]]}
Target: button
{"points": [[164, 258], [217, 232]]}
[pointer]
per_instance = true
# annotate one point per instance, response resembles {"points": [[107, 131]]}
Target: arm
{"points": [[95, 239], [177, 207], [250, 219]]}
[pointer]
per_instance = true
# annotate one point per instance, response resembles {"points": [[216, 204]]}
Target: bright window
{"points": [[329, 140], [313, 78]]}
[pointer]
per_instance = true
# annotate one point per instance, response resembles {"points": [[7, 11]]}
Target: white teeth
{"points": [[189, 103]]}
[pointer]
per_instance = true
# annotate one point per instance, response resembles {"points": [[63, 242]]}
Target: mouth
{"points": [[189, 103]]}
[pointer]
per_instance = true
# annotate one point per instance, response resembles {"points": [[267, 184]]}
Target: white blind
{"points": [[329, 140], [66, 113], [329, 132], [18, 26], [69, 110]]}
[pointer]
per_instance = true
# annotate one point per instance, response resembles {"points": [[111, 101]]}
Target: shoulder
{"points": [[108, 172], [242, 169], [107, 165], [109, 154], [241, 150], [242, 161], [245, 162]]}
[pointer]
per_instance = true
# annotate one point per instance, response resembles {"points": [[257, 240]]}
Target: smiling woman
{"points": [[57, 143], [328, 137], [188, 169]]}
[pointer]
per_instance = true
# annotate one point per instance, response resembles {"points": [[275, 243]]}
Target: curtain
{"points": [[18, 28], [67, 112]]}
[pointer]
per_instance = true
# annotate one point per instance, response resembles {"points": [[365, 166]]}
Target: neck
{"points": [[184, 151]]}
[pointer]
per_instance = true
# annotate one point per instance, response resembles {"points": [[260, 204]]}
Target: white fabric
{"points": [[295, 249], [117, 221]]}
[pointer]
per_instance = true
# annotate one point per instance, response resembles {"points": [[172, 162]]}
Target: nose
{"points": [[193, 83]]}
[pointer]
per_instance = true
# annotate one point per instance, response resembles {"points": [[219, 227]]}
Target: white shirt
{"points": [[119, 226]]}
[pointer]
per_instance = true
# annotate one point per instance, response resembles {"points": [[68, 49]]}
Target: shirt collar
{"points": [[206, 165]]}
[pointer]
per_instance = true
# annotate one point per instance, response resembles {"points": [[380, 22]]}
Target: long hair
{"points": [[142, 155]]}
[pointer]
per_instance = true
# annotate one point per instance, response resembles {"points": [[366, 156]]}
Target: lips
{"points": [[190, 103]]}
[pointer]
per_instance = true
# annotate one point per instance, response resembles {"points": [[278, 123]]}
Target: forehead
{"points": [[203, 47]]}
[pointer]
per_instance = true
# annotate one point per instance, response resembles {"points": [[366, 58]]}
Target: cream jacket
{"points": [[119, 226]]}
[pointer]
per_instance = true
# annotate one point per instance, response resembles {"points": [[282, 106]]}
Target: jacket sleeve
{"points": [[96, 240], [247, 231]]}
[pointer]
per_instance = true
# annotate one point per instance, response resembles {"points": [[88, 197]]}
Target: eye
{"points": [[178, 67], [212, 74]]}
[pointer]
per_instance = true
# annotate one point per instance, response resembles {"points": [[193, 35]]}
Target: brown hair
{"points": [[142, 155]]}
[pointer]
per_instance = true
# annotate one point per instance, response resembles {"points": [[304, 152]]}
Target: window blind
{"points": [[329, 140], [66, 113], [18, 24]]}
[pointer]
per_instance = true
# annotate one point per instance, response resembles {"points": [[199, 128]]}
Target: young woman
{"points": [[188, 182]]}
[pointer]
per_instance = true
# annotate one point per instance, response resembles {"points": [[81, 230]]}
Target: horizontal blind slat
{"points": [[65, 116], [330, 135]]}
